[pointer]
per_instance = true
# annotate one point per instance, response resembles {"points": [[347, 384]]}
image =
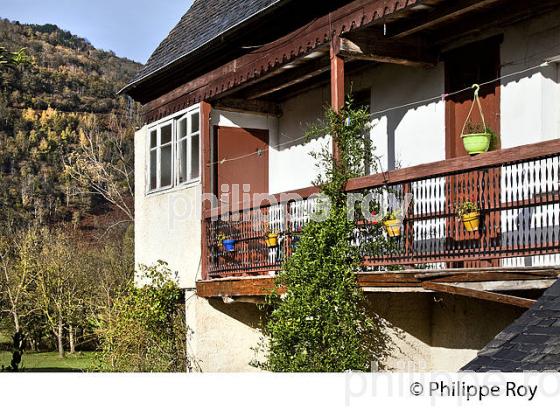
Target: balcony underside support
{"points": [[478, 294], [474, 283]]}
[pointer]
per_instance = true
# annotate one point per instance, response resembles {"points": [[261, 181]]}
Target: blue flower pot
{"points": [[295, 241], [229, 245]]}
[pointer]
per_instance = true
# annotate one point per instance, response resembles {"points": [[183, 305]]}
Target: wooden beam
{"points": [[474, 274], [488, 23], [403, 281], [205, 112], [235, 287], [409, 53], [288, 78], [508, 285], [438, 15], [241, 105], [479, 294], [337, 80], [337, 91]]}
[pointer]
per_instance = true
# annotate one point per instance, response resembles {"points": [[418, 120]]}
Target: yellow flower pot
{"points": [[393, 227], [471, 221], [271, 240]]}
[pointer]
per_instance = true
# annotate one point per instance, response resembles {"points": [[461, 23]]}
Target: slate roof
{"points": [[205, 21], [531, 343]]}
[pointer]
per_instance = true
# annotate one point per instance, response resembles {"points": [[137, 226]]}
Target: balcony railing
{"points": [[516, 189]]}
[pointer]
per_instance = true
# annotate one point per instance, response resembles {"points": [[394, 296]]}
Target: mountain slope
{"points": [[46, 111], [69, 74]]}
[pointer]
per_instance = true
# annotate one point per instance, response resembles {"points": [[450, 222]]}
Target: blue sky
{"points": [[131, 28]]}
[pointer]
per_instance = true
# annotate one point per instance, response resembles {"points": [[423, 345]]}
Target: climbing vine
{"points": [[321, 324]]}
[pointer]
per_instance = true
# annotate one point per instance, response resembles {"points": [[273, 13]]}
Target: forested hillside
{"points": [[66, 198], [51, 110]]}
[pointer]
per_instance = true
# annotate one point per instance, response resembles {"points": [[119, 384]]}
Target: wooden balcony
{"points": [[516, 189]]}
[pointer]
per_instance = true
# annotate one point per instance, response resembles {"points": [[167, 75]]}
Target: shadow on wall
{"points": [[453, 322], [247, 313], [447, 321]]}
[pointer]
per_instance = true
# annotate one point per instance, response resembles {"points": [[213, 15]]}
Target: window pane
{"points": [[195, 122], [153, 139], [166, 166], [182, 158], [195, 156], [153, 170], [166, 134], [182, 128]]}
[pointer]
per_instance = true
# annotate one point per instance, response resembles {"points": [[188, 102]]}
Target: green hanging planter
{"points": [[476, 137], [477, 143]]}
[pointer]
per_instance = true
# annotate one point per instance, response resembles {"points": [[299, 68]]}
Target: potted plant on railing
{"points": [[271, 239], [392, 223], [469, 214], [227, 243], [476, 137]]}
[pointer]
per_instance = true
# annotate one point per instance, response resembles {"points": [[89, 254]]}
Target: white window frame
{"points": [[173, 120], [188, 138]]}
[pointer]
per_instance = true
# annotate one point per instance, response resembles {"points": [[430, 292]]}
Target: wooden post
{"points": [[337, 87], [337, 80], [206, 170]]}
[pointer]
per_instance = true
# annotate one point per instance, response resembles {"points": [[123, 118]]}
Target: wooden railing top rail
{"points": [[266, 200], [457, 165], [410, 174]]}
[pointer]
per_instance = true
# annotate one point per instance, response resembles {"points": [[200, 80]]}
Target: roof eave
{"points": [[236, 27]]}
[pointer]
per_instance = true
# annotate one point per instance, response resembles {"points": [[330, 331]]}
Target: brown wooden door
{"points": [[241, 157], [476, 63]]}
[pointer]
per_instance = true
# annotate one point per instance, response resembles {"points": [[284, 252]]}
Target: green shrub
{"points": [[145, 331]]}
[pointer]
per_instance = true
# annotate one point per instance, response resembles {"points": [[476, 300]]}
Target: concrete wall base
{"points": [[430, 332]]}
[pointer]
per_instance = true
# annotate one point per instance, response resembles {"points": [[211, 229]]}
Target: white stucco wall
{"points": [[222, 337], [411, 135], [167, 224], [530, 102], [291, 165]]}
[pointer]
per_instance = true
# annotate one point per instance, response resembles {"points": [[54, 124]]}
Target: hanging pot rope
{"points": [[476, 100]]}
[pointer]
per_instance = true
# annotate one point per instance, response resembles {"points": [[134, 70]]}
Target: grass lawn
{"points": [[50, 362]]}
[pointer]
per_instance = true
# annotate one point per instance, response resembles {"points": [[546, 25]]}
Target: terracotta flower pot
{"points": [[471, 221], [393, 227]]}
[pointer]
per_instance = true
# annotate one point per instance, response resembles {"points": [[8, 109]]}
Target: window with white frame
{"points": [[174, 152]]}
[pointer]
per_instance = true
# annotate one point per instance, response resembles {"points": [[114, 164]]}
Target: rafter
{"points": [[403, 52], [241, 105], [478, 294], [438, 15]]}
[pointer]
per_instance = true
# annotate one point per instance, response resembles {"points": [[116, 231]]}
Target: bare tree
{"points": [[104, 162], [17, 262], [59, 289]]}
